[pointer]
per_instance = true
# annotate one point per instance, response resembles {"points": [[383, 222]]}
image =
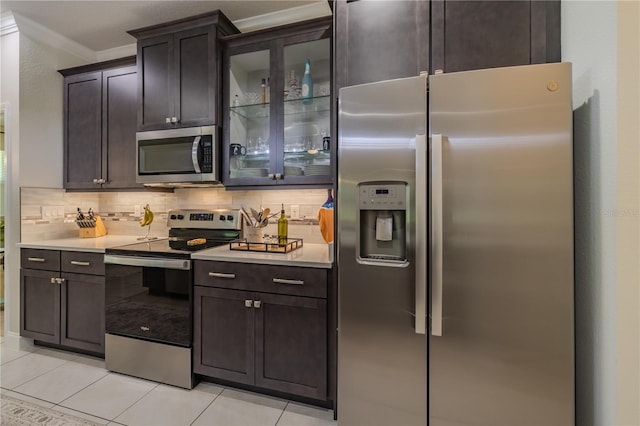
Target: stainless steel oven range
{"points": [[149, 296]]}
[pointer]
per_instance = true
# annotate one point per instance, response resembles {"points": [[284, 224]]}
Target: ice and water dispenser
{"points": [[382, 229]]}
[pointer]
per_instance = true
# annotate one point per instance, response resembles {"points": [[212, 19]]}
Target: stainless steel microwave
{"points": [[178, 156]]}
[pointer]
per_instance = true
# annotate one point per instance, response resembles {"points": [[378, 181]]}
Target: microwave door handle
{"points": [[195, 148]]}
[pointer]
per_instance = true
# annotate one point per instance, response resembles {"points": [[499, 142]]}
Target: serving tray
{"points": [[267, 247]]}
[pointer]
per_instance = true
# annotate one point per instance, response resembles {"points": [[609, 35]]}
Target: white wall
{"points": [[598, 38], [32, 92], [41, 90]]}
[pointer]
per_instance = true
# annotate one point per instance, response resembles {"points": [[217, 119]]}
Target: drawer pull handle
{"points": [[283, 281], [35, 259], [248, 303], [79, 263], [257, 304], [221, 275]]}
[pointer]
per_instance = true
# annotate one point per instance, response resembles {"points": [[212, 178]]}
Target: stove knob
{"points": [[222, 217], [173, 216], [180, 217], [229, 217]]}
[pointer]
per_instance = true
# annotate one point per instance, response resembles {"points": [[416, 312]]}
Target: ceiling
{"points": [[103, 25]]}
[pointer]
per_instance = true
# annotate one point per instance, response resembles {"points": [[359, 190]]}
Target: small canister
{"points": [[326, 143]]}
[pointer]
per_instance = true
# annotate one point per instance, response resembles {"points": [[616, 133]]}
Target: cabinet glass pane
{"points": [[307, 108], [249, 114]]}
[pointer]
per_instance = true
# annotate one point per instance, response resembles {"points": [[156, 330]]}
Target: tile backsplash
{"points": [[50, 213]]}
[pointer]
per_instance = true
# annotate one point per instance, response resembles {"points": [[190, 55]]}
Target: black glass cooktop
{"points": [[180, 243]]}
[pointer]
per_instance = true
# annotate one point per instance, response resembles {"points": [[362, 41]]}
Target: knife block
{"points": [[97, 231]]}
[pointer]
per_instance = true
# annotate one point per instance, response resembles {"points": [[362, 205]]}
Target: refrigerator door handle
{"points": [[436, 234], [421, 235]]}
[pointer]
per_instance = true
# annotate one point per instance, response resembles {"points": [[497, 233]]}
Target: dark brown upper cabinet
{"points": [[468, 35], [275, 133], [179, 71], [100, 126], [410, 37], [380, 40]]}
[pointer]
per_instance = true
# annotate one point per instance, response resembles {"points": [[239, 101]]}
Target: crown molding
{"points": [[7, 24], [51, 38], [116, 52], [283, 17]]}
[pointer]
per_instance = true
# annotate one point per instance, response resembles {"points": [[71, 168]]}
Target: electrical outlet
{"points": [[295, 211], [52, 212], [136, 210]]}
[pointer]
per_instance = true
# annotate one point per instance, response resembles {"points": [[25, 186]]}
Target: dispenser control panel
{"points": [[382, 196]]}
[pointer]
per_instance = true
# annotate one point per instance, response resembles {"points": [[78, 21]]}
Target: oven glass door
{"points": [[149, 301]]}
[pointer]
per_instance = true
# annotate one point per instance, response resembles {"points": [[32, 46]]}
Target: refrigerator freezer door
{"points": [[381, 358], [506, 351]]}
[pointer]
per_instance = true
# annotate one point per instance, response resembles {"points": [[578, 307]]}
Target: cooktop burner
{"points": [[190, 230]]}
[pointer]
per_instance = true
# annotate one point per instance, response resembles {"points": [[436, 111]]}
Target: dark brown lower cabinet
{"points": [[291, 344], [272, 341], [40, 307], [224, 334], [60, 307]]}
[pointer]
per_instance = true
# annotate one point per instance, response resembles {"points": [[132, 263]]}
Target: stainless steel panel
{"points": [[506, 355], [381, 360], [149, 360], [148, 262]]}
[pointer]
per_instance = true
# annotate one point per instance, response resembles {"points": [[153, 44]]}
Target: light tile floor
{"points": [[80, 385]]}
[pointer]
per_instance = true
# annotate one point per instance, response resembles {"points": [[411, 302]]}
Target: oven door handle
{"points": [[148, 262]]}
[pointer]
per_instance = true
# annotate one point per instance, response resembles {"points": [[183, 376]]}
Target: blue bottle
{"points": [[307, 84]]}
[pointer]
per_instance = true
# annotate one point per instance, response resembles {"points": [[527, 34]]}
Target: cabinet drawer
{"points": [[296, 281], [48, 260], [82, 263]]}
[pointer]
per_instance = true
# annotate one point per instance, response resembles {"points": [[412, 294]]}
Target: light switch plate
{"points": [[295, 211], [52, 212]]}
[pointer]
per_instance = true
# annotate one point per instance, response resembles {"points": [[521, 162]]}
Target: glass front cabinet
{"points": [[277, 106]]}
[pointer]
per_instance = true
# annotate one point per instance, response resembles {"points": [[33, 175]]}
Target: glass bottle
{"points": [[293, 85], [282, 227], [307, 84]]}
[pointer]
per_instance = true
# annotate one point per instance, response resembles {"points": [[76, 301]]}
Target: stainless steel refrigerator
{"points": [[455, 249]]}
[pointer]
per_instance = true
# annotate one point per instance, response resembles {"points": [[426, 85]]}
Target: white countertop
{"points": [[98, 244], [309, 255]]}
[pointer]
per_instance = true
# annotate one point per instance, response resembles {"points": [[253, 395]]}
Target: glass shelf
{"points": [[298, 106], [252, 111]]}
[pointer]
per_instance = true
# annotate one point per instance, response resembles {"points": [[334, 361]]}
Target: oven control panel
{"points": [[204, 219]]}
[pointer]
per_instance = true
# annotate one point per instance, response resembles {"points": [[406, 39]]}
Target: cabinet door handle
{"points": [[248, 303], [54, 280], [222, 275], [57, 280], [174, 119], [79, 263], [257, 304], [271, 176], [279, 176], [35, 259], [167, 120], [283, 281]]}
